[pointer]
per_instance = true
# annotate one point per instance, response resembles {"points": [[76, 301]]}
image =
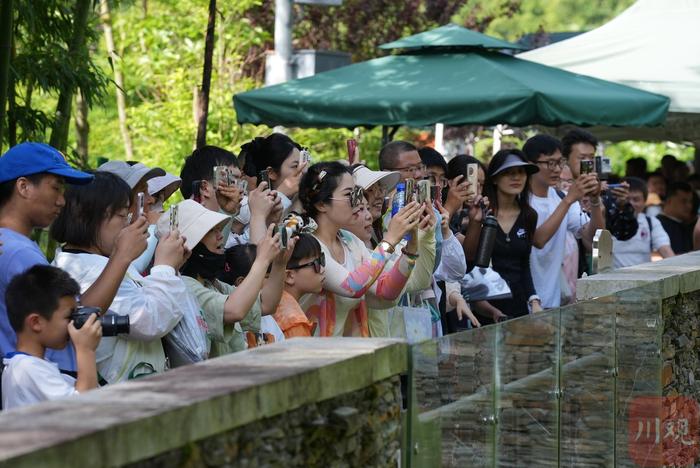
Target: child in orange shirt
{"points": [[305, 275]]}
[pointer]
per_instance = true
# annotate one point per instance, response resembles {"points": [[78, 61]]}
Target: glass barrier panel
{"points": [[638, 331], [526, 391], [586, 369], [452, 400]]}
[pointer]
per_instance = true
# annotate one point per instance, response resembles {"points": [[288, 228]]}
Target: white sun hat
{"points": [[365, 178], [194, 221], [167, 184], [131, 173]]}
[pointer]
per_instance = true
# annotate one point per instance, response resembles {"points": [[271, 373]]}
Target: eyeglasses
{"points": [[553, 163], [410, 169], [355, 196], [317, 263]]}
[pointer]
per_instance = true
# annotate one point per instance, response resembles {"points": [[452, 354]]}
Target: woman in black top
{"points": [[507, 179]]}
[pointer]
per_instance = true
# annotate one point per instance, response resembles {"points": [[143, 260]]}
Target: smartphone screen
{"points": [[587, 166], [410, 191], [472, 178], [423, 191], [264, 176], [174, 221], [140, 200], [220, 174]]}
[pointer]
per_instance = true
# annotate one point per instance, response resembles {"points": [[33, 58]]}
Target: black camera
{"points": [[112, 324]]}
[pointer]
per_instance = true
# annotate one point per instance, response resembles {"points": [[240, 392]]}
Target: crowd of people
{"points": [[270, 245]]}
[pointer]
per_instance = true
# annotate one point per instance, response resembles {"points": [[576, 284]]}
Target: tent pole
{"points": [[440, 138], [388, 133]]}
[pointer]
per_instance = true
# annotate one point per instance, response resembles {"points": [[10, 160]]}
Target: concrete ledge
{"points": [[674, 275], [124, 423]]}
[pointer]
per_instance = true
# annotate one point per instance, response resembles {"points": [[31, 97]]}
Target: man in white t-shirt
{"points": [[650, 237], [557, 213]]}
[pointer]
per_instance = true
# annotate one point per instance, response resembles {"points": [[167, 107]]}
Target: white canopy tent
{"points": [[654, 45]]}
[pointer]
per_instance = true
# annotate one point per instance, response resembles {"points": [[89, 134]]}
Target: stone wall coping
{"points": [[132, 421], [680, 274]]}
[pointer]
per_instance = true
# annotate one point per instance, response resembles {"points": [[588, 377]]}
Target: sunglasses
{"points": [[356, 195], [317, 263]]}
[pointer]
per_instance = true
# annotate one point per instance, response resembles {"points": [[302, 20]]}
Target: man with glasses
{"points": [[402, 157], [579, 145], [556, 215]]}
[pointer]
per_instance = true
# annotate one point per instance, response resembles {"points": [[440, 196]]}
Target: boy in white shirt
{"points": [[556, 214], [650, 237], [39, 306]]}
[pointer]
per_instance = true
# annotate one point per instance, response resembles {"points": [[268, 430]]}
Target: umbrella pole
{"points": [[388, 133]]}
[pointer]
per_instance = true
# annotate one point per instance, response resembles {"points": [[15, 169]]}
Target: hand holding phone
{"points": [[264, 176]]}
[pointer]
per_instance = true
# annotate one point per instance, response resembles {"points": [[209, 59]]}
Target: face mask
{"points": [[204, 263]]}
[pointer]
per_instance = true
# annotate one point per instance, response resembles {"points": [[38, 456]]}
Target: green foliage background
{"points": [[161, 55]]}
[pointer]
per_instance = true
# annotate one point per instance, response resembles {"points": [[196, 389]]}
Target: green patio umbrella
{"points": [[450, 36], [449, 78]]}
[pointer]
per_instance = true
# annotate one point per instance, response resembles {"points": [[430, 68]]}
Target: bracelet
{"points": [[388, 248], [595, 204], [411, 256], [534, 298]]}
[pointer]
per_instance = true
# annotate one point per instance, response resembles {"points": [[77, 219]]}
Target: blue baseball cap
{"points": [[31, 158]]}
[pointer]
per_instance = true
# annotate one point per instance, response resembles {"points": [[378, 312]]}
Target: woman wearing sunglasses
{"points": [[329, 196]]}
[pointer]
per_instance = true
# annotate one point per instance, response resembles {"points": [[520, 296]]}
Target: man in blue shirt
{"points": [[32, 178]]}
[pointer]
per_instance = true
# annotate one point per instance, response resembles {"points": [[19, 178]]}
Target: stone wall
{"points": [[358, 429], [302, 402], [681, 345]]}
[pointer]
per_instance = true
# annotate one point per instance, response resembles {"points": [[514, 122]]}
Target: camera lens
{"points": [[113, 325]]}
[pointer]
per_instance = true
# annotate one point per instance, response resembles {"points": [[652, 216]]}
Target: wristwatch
{"points": [[388, 248]]}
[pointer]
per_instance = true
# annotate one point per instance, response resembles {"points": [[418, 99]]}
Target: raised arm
{"points": [[241, 300], [356, 283], [420, 249], [545, 231], [130, 243]]}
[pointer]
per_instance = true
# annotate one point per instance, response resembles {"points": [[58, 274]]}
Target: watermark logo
{"points": [[663, 431]]}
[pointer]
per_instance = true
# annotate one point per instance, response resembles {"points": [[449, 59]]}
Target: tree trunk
{"points": [[106, 19], [82, 128], [203, 101], [76, 51], [12, 102], [6, 29]]}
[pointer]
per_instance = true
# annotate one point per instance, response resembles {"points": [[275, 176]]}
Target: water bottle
{"points": [[398, 201], [486, 241]]}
